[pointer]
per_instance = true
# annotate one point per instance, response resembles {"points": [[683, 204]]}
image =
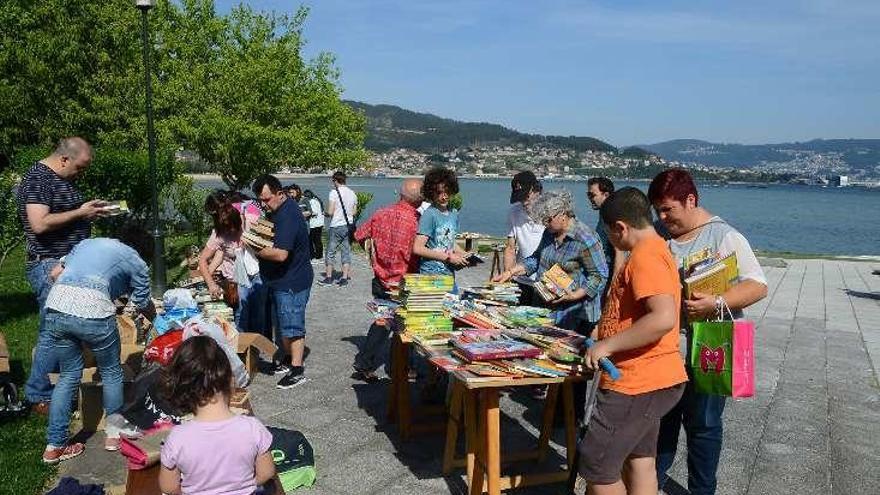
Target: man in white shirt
{"points": [[523, 233], [341, 208]]}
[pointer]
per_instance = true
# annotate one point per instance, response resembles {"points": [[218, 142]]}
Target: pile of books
{"points": [[422, 298], [382, 309], [503, 294], [553, 283], [218, 309], [487, 346], [260, 235]]}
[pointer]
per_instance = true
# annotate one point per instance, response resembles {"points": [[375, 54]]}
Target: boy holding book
{"points": [[639, 332]]}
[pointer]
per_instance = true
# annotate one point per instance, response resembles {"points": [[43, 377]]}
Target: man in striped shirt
{"points": [[55, 219]]}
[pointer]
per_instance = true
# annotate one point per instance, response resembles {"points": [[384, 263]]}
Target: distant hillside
{"points": [[858, 154], [390, 127]]}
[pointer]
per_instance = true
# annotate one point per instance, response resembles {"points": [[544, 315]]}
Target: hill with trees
{"points": [[390, 127]]}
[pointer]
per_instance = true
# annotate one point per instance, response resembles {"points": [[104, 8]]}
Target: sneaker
{"points": [[325, 281], [365, 376], [291, 380], [280, 369], [343, 282], [58, 454]]}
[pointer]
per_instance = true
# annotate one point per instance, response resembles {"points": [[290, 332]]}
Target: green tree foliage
{"points": [[10, 225], [234, 88], [363, 199]]}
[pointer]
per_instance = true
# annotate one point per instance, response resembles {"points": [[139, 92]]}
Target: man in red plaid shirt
{"points": [[391, 230]]}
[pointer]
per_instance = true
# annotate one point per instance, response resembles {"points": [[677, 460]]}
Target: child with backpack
{"points": [[217, 451]]}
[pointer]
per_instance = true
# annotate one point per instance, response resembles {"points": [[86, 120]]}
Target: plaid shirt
{"points": [[392, 230], [580, 255]]}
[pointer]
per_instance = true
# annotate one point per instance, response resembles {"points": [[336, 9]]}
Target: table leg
{"points": [[404, 416], [570, 427], [479, 448], [547, 421], [452, 424], [470, 431], [492, 418], [391, 406]]}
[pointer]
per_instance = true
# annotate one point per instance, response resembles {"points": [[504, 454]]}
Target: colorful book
{"points": [[495, 349], [715, 278]]}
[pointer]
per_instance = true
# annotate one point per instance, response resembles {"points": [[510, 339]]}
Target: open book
{"points": [[714, 278], [553, 283]]}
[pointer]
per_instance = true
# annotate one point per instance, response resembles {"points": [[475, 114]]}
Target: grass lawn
{"points": [[23, 440]]}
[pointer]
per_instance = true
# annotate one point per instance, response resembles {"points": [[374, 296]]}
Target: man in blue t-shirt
{"points": [[287, 271]]}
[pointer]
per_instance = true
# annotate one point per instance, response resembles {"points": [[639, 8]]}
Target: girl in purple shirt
{"points": [[217, 452]]}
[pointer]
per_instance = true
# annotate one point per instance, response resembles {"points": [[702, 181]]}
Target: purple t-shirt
{"points": [[217, 457]]}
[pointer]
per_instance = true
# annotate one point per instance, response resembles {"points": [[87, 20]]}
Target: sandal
{"points": [[111, 444], [58, 454]]}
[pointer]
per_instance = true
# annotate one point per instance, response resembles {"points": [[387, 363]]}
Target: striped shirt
{"points": [[41, 185]]}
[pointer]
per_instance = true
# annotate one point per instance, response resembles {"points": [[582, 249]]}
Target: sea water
{"points": [[798, 219]]}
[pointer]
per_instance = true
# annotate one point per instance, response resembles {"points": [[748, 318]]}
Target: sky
{"points": [[627, 72]]}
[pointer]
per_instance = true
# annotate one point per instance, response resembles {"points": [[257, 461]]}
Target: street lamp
{"points": [[158, 235]]}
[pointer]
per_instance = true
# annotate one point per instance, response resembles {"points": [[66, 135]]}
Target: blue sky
{"points": [[627, 72]]}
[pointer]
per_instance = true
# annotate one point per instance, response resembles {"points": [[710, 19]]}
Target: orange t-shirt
{"points": [[649, 271]]}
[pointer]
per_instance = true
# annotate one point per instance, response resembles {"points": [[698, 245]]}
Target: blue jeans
{"points": [[253, 308], [290, 312], [38, 388], [69, 334], [337, 239], [701, 416]]}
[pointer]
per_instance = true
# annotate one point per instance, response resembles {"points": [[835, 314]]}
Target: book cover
{"points": [[713, 279], [496, 349]]}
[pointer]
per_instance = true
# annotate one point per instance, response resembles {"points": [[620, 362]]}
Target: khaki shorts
{"points": [[623, 426]]}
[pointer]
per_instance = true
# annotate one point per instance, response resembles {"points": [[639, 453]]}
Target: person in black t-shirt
{"points": [[55, 219]]}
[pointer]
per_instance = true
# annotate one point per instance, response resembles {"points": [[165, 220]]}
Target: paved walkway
{"points": [[814, 426]]}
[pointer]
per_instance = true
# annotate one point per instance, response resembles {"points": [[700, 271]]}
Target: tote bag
{"points": [[722, 359]]}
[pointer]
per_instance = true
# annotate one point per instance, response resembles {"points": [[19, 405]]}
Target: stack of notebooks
{"points": [[553, 283], [421, 311], [219, 309], [261, 234]]}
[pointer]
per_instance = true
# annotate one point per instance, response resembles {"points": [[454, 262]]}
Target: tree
{"points": [[233, 88]]}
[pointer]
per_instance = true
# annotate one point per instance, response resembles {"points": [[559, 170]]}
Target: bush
{"points": [[10, 226], [456, 201], [363, 199]]}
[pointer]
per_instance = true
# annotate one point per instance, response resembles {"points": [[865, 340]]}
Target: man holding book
{"points": [[701, 243]]}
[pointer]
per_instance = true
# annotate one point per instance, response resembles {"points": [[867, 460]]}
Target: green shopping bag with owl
{"points": [[722, 358]]}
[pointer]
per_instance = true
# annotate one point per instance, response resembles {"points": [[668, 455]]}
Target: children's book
{"points": [[496, 349], [714, 278]]}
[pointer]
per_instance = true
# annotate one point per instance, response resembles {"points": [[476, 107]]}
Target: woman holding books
{"points": [[569, 263], [231, 217]]}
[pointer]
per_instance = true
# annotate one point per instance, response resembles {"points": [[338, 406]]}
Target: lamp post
{"points": [[158, 236]]}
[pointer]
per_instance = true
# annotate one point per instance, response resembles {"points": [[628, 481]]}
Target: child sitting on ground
{"points": [[639, 332], [217, 451]]}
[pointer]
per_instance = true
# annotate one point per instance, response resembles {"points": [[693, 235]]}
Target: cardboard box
{"points": [[250, 346], [4, 355], [91, 403], [128, 333]]}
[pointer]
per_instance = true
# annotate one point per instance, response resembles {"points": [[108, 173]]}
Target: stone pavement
{"points": [[812, 428]]}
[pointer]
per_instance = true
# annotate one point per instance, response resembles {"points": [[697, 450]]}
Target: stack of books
{"points": [[713, 277], [422, 297], [260, 235], [503, 294], [486, 346], [553, 283]]}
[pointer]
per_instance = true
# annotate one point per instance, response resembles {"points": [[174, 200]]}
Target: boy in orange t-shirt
{"points": [[639, 332]]}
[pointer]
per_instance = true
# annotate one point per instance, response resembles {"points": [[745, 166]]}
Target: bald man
{"points": [[391, 231], [55, 219]]}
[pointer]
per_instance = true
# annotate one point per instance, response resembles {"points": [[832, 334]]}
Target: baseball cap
{"points": [[522, 184]]}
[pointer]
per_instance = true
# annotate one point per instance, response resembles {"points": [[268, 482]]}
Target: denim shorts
{"points": [[290, 312]]}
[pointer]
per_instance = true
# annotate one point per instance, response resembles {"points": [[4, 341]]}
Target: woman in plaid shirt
{"points": [[576, 248]]}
